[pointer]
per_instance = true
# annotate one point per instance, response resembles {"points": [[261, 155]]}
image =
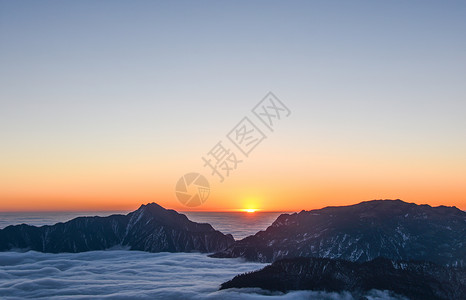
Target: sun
{"points": [[250, 210]]}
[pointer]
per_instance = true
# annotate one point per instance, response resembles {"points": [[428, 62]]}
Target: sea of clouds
{"points": [[121, 274]]}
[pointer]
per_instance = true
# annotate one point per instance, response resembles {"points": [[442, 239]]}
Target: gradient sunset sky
{"points": [[105, 104]]}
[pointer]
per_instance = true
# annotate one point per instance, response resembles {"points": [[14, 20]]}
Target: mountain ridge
{"points": [[150, 228], [416, 280], [361, 232]]}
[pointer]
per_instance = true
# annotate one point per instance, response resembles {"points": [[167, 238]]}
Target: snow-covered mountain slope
{"points": [[381, 228], [415, 280]]}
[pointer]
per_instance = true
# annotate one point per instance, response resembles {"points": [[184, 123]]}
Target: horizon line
{"points": [[128, 211]]}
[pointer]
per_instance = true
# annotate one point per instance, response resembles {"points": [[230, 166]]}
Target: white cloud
{"points": [[122, 274]]}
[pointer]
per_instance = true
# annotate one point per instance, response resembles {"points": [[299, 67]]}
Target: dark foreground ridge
{"points": [[415, 280], [151, 228], [380, 228]]}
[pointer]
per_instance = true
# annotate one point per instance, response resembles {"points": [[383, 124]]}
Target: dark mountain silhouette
{"points": [[151, 228], [380, 228], [415, 280]]}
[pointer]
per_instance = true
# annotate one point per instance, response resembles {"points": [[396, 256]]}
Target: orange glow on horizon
{"points": [[249, 210], [293, 183]]}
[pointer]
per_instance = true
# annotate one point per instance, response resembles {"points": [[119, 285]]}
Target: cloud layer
{"points": [[120, 274]]}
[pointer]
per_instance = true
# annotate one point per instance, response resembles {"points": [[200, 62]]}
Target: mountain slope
{"points": [[380, 228], [150, 228], [415, 280]]}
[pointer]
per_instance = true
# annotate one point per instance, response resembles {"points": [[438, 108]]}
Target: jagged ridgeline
{"points": [[415, 280], [150, 228], [381, 228]]}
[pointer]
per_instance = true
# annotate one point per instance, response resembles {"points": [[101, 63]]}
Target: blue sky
{"points": [[161, 81]]}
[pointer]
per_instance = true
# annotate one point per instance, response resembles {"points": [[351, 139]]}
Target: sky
{"points": [[104, 105]]}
